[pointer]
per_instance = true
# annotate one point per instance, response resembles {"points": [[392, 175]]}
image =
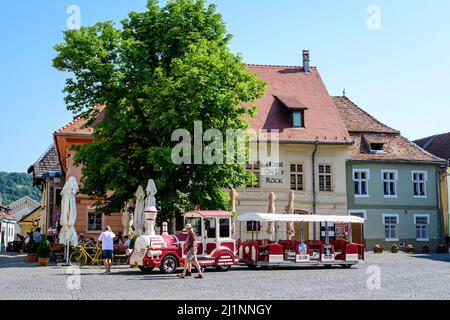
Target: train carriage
{"points": [[265, 253]]}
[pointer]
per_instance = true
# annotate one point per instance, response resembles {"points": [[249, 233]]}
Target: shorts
{"points": [[107, 254], [190, 256]]}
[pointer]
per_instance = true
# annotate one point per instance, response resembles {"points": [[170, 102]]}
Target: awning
{"points": [[266, 217]]}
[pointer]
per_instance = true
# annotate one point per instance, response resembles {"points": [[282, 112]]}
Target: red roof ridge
{"points": [[75, 120], [275, 66]]}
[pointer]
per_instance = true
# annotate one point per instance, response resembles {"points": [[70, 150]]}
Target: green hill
{"points": [[15, 185]]}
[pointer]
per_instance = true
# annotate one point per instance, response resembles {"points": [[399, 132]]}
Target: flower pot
{"points": [[32, 257], [43, 261], [394, 249], [377, 249], [410, 249]]}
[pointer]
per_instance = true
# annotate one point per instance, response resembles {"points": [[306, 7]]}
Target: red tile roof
{"points": [[321, 118], [439, 145], [78, 125], [357, 120], [45, 164], [4, 213], [365, 130]]}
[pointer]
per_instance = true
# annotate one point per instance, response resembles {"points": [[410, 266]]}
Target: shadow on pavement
{"points": [[442, 257]]}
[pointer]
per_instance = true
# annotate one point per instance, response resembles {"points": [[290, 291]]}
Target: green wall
{"points": [[405, 205]]}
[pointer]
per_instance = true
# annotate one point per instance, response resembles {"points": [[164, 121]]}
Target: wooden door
{"points": [[358, 229], [301, 227]]}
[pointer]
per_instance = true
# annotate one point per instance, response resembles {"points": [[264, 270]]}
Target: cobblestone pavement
{"points": [[401, 276]]}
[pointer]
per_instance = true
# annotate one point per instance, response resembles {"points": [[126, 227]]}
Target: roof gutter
{"points": [[399, 161], [308, 142]]}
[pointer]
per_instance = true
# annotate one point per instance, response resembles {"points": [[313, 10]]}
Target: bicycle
{"points": [[82, 254]]}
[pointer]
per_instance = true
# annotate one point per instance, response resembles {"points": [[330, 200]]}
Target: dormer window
{"points": [[376, 147], [295, 109], [297, 119]]}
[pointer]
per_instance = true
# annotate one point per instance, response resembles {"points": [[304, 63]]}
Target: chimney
{"points": [[306, 68]]}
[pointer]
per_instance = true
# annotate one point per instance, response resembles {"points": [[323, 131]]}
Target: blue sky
{"points": [[399, 73]]}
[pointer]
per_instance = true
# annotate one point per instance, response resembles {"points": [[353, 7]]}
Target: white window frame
{"points": [[390, 196], [425, 173], [390, 215], [331, 174], [296, 173], [367, 171], [92, 210], [428, 226]]}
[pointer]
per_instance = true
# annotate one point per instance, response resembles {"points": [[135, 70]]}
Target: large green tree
{"points": [[162, 70]]}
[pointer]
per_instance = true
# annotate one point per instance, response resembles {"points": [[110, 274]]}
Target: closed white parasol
{"points": [[68, 234], [138, 217], [290, 228], [127, 220], [271, 209], [151, 192], [233, 198]]}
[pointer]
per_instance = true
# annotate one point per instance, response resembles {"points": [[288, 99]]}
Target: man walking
{"points": [[190, 247], [107, 239]]}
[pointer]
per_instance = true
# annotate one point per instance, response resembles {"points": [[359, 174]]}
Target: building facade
{"points": [[439, 145], [89, 222], [48, 177], [22, 207], [313, 150], [7, 228], [391, 182]]}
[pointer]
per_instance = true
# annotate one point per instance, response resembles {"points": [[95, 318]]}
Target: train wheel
{"points": [[251, 266], [146, 269], [223, 268], [169, 264], [346, 266], [328, 266]]}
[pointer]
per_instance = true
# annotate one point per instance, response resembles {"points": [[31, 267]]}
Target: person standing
{"points": [[37, 236], [107, 239], [190, 247]]}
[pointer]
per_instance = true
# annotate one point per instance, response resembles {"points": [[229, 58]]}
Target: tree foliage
{"points": [[162, 70]]}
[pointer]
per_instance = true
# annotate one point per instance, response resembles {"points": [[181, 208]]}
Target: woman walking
{"points": [[190, 247]]}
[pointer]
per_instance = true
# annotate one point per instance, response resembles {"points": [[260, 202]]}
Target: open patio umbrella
{"points": [[233, 198], [138, 217], [68, 234], [127, 220], [271, 209], [290, 228]]}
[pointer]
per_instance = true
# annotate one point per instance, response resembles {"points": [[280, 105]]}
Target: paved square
{"points": [[402, 276]]}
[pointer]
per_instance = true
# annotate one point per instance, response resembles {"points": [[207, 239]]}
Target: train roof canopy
{"points": [[272, 217]]}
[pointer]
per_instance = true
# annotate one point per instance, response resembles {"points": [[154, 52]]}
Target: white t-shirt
{"points": [[107, 239]]}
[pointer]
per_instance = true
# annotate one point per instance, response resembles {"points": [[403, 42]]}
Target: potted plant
{"points": [[43, 252], [410, 249], [377, 248], [31, 249], [394, 248], [426, 249]]}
